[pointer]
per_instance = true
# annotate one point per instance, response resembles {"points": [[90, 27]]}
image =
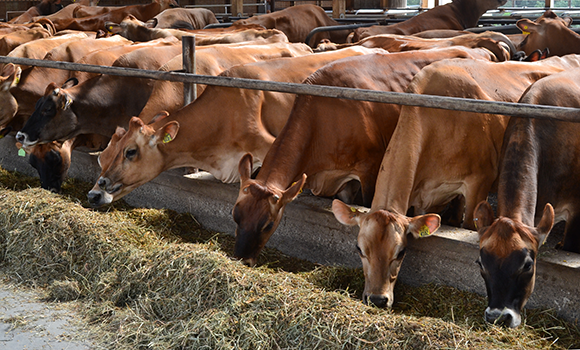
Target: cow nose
{"points": [[378, 300], [250, 262], [501, 317], [20, 137], [94, 197]]}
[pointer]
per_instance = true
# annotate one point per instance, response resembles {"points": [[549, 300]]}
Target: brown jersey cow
{"points": [[46, 7], [297, 22], [539, 170], [438, 156], [551, 32], [214, 132], [332, 141], [458, 15], [196, 18]]}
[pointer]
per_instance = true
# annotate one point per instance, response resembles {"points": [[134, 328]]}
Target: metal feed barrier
{"points": [[428, 101]]}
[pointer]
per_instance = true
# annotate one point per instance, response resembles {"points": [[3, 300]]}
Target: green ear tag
{"points": [[424, 231], [21, 152], [167, 138]]}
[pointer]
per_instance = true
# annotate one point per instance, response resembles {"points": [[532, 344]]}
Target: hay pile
{"points": [[141, 287]]}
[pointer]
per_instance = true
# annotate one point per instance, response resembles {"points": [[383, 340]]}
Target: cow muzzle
{"points": [[506, 317], [24, 139], [380, 301]]}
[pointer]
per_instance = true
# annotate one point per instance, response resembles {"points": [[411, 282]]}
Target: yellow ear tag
{"points": [[21, 152], [17, 80], [424, 231], [294, 183], [525, 33], [353, 209], [167, 138]]}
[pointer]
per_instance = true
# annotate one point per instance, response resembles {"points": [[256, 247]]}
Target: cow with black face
{"points": [[507, 258], [52, 112]]}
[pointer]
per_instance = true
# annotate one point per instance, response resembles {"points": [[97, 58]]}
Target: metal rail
{"points": [[429, 101]]}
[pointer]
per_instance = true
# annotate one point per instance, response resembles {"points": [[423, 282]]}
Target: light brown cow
{"points": [[332, 141], [9, 77], [214, 131], [133, 29], [437, 156], [11, 41], [458, 15], [37, 49], [497, 43], [95, 23], [297, 22], [549, 31], [186, 18]]}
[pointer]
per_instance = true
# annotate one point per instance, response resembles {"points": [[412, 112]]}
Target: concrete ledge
{"points": [[310, 231]]}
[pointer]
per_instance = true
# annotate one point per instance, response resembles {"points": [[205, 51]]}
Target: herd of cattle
{"points": [[401, 161]]}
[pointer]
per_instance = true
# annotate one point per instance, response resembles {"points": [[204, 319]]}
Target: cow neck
{"points": [[465, 13], [569, 45]]}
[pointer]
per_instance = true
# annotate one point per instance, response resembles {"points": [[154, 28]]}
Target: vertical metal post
{"points": [[189, 89]]}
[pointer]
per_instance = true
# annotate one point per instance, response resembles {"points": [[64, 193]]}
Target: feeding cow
{"points": [[437, 157], [332, 141], [539, 170], [212, 133], [458, 15]]}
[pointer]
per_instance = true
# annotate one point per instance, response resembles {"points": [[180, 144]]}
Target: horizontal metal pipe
{"points": [[429, 101]]}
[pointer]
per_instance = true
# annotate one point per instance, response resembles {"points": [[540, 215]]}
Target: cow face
{"points": [[52, 161], [9, 77], [540, 34], [258, 211], [381, 244], [132, 158], [131, 28], [52, 119], [507, 257]]}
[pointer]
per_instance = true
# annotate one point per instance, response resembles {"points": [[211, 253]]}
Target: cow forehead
{"points": [[506, 236], [381, 229]]}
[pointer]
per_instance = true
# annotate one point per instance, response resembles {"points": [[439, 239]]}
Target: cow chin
{"points": [[506, 317]]}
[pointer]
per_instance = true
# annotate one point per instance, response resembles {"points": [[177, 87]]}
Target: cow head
{"points": [[52, 119], [132, 158], [381, 244], [508, 250], [130, 28], [541, 33], [166, 4], [258, 211], [52, 161], [9, 77]]}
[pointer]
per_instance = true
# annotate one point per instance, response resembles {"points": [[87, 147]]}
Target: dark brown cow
{"points": [[297, 22], [436, 157], [332, 141], [458, 15], [67, 11], [46, 7], [95, 23], [97, 103], [539, 169], [196, 18], [549, 31], [212, 133]]}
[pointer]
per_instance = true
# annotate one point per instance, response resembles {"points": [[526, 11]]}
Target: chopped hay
{"points": [[143, 286]]}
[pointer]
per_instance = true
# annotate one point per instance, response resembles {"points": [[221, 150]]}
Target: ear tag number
{"points": [[167, 138]]}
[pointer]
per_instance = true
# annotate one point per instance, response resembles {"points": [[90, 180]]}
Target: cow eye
{"points": [[359, 251], [478, 262], [401, 254], [130, 153], [268, 227], [528, 265]]}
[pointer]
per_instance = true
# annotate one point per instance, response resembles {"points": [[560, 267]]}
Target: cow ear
{"points": [[152, 23], [534, 56], [483, 216], [424, 225], [165, 134], [527, 26], [345, 214], [294, 190], [13, 74], [568, 20], [159, 116], [50, 88], [245, 167], [70, 83], [545, 225]]}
